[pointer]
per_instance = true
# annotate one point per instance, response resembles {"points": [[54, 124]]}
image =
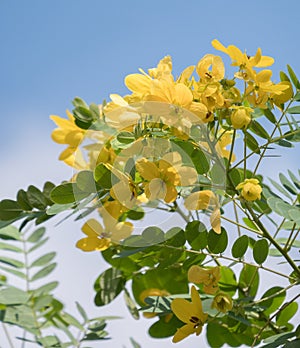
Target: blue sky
{"points": [[52, 51]]}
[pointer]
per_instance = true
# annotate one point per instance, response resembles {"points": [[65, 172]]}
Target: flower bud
{"points": [[240, 118], [222, 302], [251, 189]]}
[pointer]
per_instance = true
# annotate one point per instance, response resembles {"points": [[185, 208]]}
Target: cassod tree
{"points": [[168, 186]]}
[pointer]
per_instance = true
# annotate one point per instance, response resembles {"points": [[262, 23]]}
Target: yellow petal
{"points": [[264, 76], [121, 231], [93, 244], [183, 332], [218, 46], [92, 228], [183, 309], [171, 194], [138, 83], [147, 169], [199, 200], [183, 95], [117, 99], [215, 220], [265, 61], [188, 175], [156, 189]]}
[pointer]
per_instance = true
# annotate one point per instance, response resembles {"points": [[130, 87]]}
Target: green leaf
{"points": [[175, 237], [293, 77], [13, 296], [152, 235], [252, 143], [10, 247], [47, 288], [43, 272], [217, 243], [200, 161], [82, 312], [196, 235], [43, 260], [286, 314], [49, 341], [136, 214], [23, 201], [42, 301], [36, 198], [104, 177], [284, 143], [260, 251], [294, 110], [38, 244], [134, 343], [240, 246], [280, 189], [11, 262], [37, 235], [163, 328], [269, 115], [218, 173], [130, 304], [295, 180], [14, 272], [9, 210], [110, 284], [67, 193], [287, 184], [248, 281], [274, 297], [58, 208], [259, 130], [48, 187], [77, 101], [85, 181], [284, 77], [71, 320], [228, 281], [125, 137]]}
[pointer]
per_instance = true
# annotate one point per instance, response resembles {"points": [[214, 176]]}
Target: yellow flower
{"points": [[201, 200], [222, 302], [286, 95], [99, 237], [241, 117], [163, 176], [190, 313], [70, 134], [251, 189], [208, 277], [242, 59], [217, 68], [261, 88]]}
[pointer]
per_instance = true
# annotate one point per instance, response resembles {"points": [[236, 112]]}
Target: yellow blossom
{"points": [[99, 237], [217, 68], [70, 134], [209, 277], [242, 59], [202, 200], [251, 189], [190, 313], [241, 117], [163, 176], [222, 302]]}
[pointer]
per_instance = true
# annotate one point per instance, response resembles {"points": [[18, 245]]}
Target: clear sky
{"points": [[54, 50]]}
